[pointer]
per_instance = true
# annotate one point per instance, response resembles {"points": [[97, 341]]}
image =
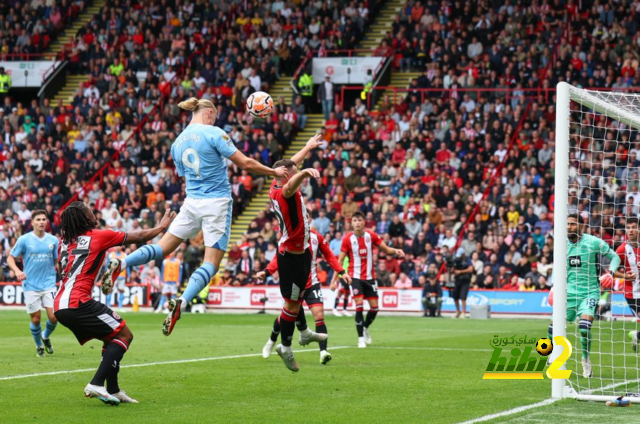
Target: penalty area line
{"points": [[511, 411]]}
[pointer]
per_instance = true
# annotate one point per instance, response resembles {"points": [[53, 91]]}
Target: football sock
{"points": [[321, 327], [110, 361], [276, 330], [287, 326], [359, 320], [120, 300], [301, 320], [163, 299], [112, 378], [337, 302], [345, 302], [36, 332], [550, 333], [371, 316], [144, 255], [48, 329], [199, 279], [585, 337]]}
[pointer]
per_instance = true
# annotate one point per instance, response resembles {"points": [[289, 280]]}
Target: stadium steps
{"points": [[67, 92], [380, 26], [70, 31], [257, 203], [400, 80]]}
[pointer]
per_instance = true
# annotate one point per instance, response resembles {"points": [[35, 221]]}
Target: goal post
{"points": [[581, 138]]}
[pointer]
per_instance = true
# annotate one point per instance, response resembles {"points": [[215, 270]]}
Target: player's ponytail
{"points": [[194, 105]]}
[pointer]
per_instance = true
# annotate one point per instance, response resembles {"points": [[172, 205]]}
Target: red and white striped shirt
{"points": [[631, 287], [292, 215], [81, 261], [317, 243], [360, 252]]}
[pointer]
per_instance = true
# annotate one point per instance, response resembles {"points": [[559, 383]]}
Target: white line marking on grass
{"points": [[511, 411], [431, 348], [178, 361], [218, 358]]}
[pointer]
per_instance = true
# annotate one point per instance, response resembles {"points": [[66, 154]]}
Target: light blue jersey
{"points": [[200, 154], [39, 256]]}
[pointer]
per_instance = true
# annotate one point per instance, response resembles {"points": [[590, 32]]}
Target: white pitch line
{"points": [[430, 348], [511, 411], [178, 361]]}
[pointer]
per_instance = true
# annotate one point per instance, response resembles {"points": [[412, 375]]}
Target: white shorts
{"points": [[121, 283], [170, 288], [38, 300], [212, 216]]}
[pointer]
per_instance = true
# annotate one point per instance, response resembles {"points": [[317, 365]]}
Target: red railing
{"points": [[99, 175]]}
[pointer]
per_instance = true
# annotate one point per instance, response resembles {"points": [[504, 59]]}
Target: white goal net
{"points": [[597, 180]]}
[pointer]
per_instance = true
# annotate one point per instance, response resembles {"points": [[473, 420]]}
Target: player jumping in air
{"points": [[82, 253], [358, 245], [313, 291], [629, 253], [39, 252], [200, 154], [294, 254], [583, 285]]}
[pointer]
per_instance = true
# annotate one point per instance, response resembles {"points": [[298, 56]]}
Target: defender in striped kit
{"points": [[82, 252], [358, 245], [294, 256], [313, 292]]}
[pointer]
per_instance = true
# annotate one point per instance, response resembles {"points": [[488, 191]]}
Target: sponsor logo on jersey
{"points": [[575, 261], [363, 252]]}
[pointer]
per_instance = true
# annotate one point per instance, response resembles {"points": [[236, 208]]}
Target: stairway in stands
{"points": [[399, 79], [380, 25], [73, 81]]}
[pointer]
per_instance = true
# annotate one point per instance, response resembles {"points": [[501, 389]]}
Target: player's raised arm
{"points": [[398, 253], [313, 143], [331, 259], [607, 251], [290, 188], [255, 167], [143, 236]]}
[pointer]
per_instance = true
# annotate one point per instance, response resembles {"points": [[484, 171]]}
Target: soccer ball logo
{"points": [[260, 104], [544, 347]]}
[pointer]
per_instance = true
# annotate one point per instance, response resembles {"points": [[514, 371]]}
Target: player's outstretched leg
{"points": [[48, 329], [585, 343], [268, 347], [307, 336], [143, 255], [199, 279]]}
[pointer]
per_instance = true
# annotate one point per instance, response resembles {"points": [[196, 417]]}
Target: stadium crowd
{"points": [[28, 27], [417, 167]]}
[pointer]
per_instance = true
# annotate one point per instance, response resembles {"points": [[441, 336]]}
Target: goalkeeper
{"points": [[583, 285]]}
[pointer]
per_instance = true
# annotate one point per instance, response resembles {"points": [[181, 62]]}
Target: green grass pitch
{"points": [[418, 370]]}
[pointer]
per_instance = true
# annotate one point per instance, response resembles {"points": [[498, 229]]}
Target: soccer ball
{"points": [[544, 347], [260, 104]]}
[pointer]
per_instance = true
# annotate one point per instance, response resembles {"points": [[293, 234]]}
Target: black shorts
{"points": [[343, 288], [294, 273], [90, 320], [313, 296], [634, 305], [364, 288], [460, 290]]}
